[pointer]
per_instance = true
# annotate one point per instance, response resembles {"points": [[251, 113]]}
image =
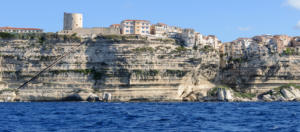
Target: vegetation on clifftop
{"points": [[40, 37], [4, 35], [121, 38]]}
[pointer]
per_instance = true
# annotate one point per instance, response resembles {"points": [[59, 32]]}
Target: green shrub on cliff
{"points": [[42, 39], [83, 71], [289, 51], [47, 58], [110, 37], [164, 40], [180, 49], [207, 48], [146, 72], [4, 35], [177, 73], [96, 75], [213, 92], [244, 95], [143, 49]]}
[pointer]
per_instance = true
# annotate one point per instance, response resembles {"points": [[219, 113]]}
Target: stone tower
{"points": [[72, 21]]}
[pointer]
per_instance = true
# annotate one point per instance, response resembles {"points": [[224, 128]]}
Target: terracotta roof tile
{"points": [[136, 20], [13, 28]]}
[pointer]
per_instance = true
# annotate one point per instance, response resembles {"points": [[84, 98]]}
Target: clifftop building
{"points": [[139, 27], [117, 26], [73, 25], [159, 29], [72, 21], [20, 30], [188, 36]]}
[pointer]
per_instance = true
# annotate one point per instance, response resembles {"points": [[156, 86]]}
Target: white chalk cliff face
{"points": [[105, 69], [124, 68], [261, 74]]}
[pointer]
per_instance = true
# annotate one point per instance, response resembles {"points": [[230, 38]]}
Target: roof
{"points": [[115, 25], [137, 20], [14, 28], [73, 13], [161, 24]]}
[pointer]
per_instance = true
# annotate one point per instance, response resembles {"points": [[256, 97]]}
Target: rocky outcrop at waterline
{"points": [[285, 93]]}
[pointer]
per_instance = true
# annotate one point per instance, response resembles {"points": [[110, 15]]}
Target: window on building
{"points": [[143, 31], [127, 30], [143, 23], [147, 32]]}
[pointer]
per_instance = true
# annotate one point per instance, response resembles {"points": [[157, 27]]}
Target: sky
{"points": [[227, 19]]}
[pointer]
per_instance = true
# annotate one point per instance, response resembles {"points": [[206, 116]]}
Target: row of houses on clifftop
{"points": [[258, 45], [73, 25], [261, 45], [20, 30]]}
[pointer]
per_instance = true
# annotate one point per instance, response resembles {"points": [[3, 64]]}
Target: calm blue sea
{"points": [[73, 117]]}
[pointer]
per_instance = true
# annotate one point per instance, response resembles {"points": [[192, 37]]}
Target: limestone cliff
{"points": [[261, 73], [271, 64], [51, 67], [117, 68]]}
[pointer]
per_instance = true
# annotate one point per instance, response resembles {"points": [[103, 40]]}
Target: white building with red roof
{"points": [[20, 30]]}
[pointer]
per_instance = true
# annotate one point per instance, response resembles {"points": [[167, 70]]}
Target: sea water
{"points": [[82, 116]]}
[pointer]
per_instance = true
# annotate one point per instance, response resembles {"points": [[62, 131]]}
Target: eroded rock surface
{"points": [[283, 94], [152, 70], [140, 69]]}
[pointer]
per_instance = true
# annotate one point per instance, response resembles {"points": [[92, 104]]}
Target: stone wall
{"points": [[92, 32]]}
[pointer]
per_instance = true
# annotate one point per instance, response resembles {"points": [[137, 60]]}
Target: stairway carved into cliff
{"points": [[51, 65]]}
